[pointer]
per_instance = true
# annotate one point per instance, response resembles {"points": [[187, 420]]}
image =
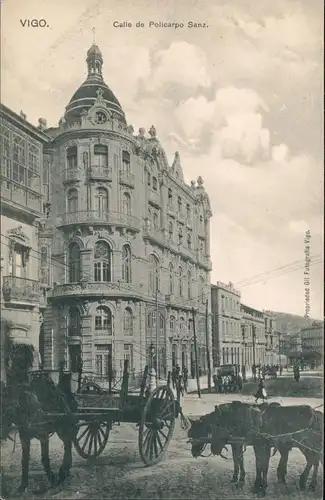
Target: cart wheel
{"points": [[91, 438], [91, 388], [157, 425]]}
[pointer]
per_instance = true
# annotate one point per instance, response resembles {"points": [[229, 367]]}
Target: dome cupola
{"points": [[86, 95]]}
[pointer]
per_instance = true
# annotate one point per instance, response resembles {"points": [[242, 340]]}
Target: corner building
{"points": [[129, 241]]}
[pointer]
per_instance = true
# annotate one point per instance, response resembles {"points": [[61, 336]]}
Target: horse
{"points": [[253, 427], [27, 402]]}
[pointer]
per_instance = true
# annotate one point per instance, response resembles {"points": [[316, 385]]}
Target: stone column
{"points": [[86, 265], [117, 344], [87, 343], [63, 334]]}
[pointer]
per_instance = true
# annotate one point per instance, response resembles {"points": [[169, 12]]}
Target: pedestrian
{"points": [[254, 372], [174, 377], [200, 371], [185, 378], [261, 392]]}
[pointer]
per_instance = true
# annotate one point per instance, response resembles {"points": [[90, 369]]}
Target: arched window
{"points": [[72, 199], [188, 212], [154, 281], [189, 241], [72, 157], [172, 324], [126, 204], [170, 198], [149, 179], [155, 221], [171, 278], [103, 320], [74, 267], [125, 162], [101, 155], [128, 322], [181, 327], [101, 200], [190, 326], [149, 217], [189, 284], [102, 261], [170, 230], [154, 184], [74, 323], [126, 264], [180, 281]]}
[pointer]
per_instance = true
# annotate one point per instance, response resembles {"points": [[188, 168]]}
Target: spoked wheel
{"points": [[157, 425], [91, 438], [91, 388]]}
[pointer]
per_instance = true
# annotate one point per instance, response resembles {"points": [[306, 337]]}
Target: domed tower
{"points": [[97, 209]]}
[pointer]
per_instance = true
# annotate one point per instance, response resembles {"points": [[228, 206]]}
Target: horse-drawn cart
{"points": [[154, 412]]}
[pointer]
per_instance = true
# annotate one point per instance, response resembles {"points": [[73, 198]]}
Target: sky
{"points": [[241, 100]]}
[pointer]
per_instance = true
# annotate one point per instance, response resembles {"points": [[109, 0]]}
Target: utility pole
{"points": [[254, 340], [207, 342], [157, 334], [195, 353]]}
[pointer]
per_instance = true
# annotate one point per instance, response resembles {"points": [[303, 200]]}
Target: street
{"points": [[119, 473]]}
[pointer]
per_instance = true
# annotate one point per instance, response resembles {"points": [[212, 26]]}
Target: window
{"points": [[180, 281], [126, 204], [155, 221], [100, 155], [172, 324], [179, 204], [188, 212], [102, 261], [101, 200], [72, 201], [103, 360], [149, 217], [74, 358], [170, 230], [154, 184], [181, 327], [74, 266], [72, 157], [189, 241], [18, 261], [170, 198], [74, 323], [128, 322], [103, 320], [154, 282], [201, 218], [125, 162], [128, 354], [149, 179], [44, 267], [190, 326], [126, 264], [189, 285], [180, 236], [171, 278]]}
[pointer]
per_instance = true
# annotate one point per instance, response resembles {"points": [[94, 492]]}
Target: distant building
{"points": [[272, 342], [312, 344], [291, 347], [227, 345], [253, 337], [22, 298]]}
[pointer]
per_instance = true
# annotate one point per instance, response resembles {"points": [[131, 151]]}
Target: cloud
{"points": [[183, 64]]}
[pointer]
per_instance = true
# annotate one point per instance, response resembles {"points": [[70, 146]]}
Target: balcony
{"points": [[71, 175], [99, 173], [20, 196], [98, 217], [126, 178], [98, 289], [204, 262], [178, 302], [155, 235], [154, 197], [21, 292]]}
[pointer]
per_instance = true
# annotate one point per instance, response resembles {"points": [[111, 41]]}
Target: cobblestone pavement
{"points": [[119, 473]]}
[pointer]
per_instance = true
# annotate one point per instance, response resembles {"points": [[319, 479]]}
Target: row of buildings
{"points": [[305, 347], [105, 250]]}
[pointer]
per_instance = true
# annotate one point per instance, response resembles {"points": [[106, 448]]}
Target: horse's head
{"points": [[198, 432], [210, 427]]}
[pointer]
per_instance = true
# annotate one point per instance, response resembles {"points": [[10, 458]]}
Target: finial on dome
{"points": [[93, 29], [152, 132], [193, 184], [42, 124], [94, 62], [200, 181]]}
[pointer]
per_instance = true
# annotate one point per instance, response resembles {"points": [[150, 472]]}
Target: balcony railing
{"points": [[92, 217], [126, 178], [156, 235], [21, 291], [92, 288], [71, 174], [101, 173]]}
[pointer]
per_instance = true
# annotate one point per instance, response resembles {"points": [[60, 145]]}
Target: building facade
{"points": [[291, 347], [253, 337], [227, 345], [312, 345], [272, 340], [22, 295], [127, 239]]}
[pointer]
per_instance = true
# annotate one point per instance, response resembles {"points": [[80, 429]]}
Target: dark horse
{"points": [[263, 427], [37, 408]]}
